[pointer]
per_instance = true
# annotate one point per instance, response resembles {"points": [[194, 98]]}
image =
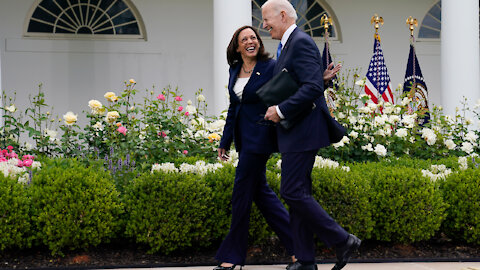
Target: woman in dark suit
{"points": [[255, 140]]}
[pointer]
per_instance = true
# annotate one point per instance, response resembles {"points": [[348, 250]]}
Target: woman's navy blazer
{"points": [[245, 124]]}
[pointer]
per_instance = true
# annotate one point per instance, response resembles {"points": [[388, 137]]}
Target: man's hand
{"points": [[331, 71], [272, 115]]}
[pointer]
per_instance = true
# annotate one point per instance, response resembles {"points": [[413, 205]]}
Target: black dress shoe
{"points": [[299, 266], [345, 252], [219, 267]]}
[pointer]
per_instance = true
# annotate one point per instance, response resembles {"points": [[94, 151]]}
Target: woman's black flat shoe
{"points": [[226, 268]]}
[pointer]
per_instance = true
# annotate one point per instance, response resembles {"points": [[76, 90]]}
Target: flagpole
{"points": [[326, 22], [412, 23], [377, 21]]}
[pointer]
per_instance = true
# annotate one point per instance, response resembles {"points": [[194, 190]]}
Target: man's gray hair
{"points": [[282, 5]]}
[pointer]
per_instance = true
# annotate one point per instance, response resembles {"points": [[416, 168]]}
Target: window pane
{"points": [[309, 14], [84, 17]]}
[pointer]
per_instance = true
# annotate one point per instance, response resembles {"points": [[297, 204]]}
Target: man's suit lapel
{"points": [[281, 60]]}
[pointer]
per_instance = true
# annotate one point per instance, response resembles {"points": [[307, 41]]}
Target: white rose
{"points": [[112, 116], [471, 137], [367, 147], [450, 144], [467, 147], [70, 118], [353, 134], [11, 108], [360, 82], [406, 101], [201, 98], [98, 126], [401, 133], [380, 150]]}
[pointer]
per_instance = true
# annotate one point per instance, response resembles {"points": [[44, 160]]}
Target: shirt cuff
{"points": [[279, 112]]}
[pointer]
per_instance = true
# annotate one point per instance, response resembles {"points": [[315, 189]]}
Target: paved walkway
{"points": [[355, 266]]}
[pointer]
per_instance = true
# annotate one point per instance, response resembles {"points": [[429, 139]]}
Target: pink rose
{"points": [[187, 113], [122, 130], [162, 133], [161, 97], [178, 98], [27, 157], [27, 162], [180, 109], [185, 152], [10, 148], [20, 164]]}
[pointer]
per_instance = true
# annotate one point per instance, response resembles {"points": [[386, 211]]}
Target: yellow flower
{"points": [[112, 116], [132, 81], [95, 105], [213, 137], [70, 118], [110, 96]]}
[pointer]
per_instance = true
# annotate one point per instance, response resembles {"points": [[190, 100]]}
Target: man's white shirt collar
{"points": [[287, 34]]}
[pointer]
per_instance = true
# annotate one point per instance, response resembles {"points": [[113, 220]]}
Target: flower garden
{"points": [[144, 170]]}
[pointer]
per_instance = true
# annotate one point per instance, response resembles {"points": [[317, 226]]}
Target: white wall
{"points": [[178, 52]]}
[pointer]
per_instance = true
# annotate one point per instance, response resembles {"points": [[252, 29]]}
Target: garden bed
{"points": [[126, 255]]}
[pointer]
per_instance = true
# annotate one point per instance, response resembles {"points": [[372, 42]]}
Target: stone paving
{"points": [[352, 266]]}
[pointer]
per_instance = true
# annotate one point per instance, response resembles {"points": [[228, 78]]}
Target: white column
{"points": [[228, 15], [460, 60]]}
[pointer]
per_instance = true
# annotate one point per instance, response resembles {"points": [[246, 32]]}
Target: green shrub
{"points": [[73, 206], [407, 206], [345, 197], [168, 211], [14, 214], [461, 191], [221, 184]]}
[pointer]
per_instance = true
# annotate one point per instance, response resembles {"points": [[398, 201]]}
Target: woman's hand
{"points": [[222, 154]]}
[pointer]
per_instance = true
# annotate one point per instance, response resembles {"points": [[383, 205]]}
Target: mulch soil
{"points": [[120, 255]]}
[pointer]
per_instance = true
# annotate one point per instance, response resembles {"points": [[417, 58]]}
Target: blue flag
{"points": [[415, 85]]}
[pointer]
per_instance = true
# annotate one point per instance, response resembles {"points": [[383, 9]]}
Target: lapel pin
{"points": [[258, 73]]}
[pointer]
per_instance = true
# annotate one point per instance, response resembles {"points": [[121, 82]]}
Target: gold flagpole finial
{"points": [[412, 23], [377, 21], [326, 22]]}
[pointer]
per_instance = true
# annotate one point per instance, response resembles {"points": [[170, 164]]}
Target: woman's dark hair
{"points": [[234, 57]]}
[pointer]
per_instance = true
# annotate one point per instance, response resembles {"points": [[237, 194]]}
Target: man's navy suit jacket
{"points": [[301, 57], [245, 122]]}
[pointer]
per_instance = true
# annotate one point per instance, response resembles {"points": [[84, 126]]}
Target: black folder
{"points": [[281, 87]]}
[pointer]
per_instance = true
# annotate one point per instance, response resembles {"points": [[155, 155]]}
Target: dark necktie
{"points": [[279, 50]]}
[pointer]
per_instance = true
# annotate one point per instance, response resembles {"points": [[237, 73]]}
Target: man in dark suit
{"points": [[299, 145]]}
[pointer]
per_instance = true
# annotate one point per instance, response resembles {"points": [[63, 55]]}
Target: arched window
{"points": [[309, 14], [432, 23], [114, 19]]}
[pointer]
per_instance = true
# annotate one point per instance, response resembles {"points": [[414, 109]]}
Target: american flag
{"points": [[378, 81]]}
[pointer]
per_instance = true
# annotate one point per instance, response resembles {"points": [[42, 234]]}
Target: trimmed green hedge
{"points": [[73, 206], [168, 211], [15, 221], [462, 192], [345, 196], [407, 207]]}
